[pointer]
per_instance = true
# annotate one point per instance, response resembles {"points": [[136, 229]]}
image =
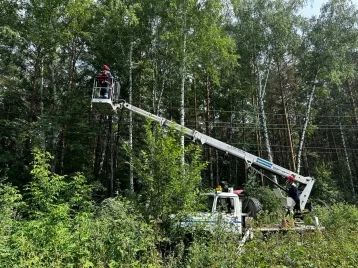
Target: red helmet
{"points": [[290, 178], [105, 67]]}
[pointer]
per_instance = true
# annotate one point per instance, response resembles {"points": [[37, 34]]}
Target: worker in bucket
{"points": [[104, 79]]}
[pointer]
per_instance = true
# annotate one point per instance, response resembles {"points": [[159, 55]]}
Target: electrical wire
{"points": [[232, 112], [216, 125], [220, 124]]}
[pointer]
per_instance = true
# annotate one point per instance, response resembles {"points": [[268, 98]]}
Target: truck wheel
{"points": [[251, 206]]}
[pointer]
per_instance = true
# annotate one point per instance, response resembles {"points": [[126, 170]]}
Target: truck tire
{"points": [[251, 206]]}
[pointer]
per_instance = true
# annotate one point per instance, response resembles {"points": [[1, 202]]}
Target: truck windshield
{"points": [[224, 204], [206, 203]]}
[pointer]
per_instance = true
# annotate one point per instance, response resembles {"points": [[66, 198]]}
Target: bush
{"points": [[62, 228], [120, 237], [268, 199], [10, 203], [220, 249], [169, 184], [338, 216]]}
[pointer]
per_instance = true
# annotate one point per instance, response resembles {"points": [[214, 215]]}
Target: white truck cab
{"points": [[219, 207]]}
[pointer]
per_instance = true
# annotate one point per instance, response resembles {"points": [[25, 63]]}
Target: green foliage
{"points": [[311, 130], [334, 246], [119, 237], [338, 217], [10, 203], [49, 190], [116, 234], [113, 236], [168, 185], [327, 193], [10, 200], [293, 250], [251, 185], [264, 194], [217, 250], [49, 51], [55, 205], [64, 229], [267, 218], [268, 199]]}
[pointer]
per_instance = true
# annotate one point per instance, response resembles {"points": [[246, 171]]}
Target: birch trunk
{"points": [[208, 131], [130, 92], [43, 144], [258, 141], [288, 126], [182, 84], [195, 106], [55, 133], [261, 97], [307, 119], [289, 137], [63, 147], [53, 82], [347, 161], [156, 111]]}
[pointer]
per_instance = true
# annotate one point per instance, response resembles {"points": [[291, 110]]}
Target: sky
{"points": [[312, 7]]}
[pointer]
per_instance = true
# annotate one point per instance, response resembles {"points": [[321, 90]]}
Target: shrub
{"points": [[120, 237], [169, 175], [338, 216], [268, 199]]}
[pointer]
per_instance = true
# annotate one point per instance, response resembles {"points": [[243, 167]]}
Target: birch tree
{"points": [[326, 60], [266, 32]]}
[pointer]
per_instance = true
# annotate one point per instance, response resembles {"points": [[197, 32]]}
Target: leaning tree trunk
{"points": [[208, 132], [305, 125], [347, 160], [262, 84], [258, 141], [287, 125]]}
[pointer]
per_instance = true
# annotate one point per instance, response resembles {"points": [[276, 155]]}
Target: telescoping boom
{"points": [[112, 104], [247, 157]]}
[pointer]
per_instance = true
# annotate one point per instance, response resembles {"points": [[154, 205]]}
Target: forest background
{"points": [[254, 74]]}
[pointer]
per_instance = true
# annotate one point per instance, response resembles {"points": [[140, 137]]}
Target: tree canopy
{"points": [[255, 74]]}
